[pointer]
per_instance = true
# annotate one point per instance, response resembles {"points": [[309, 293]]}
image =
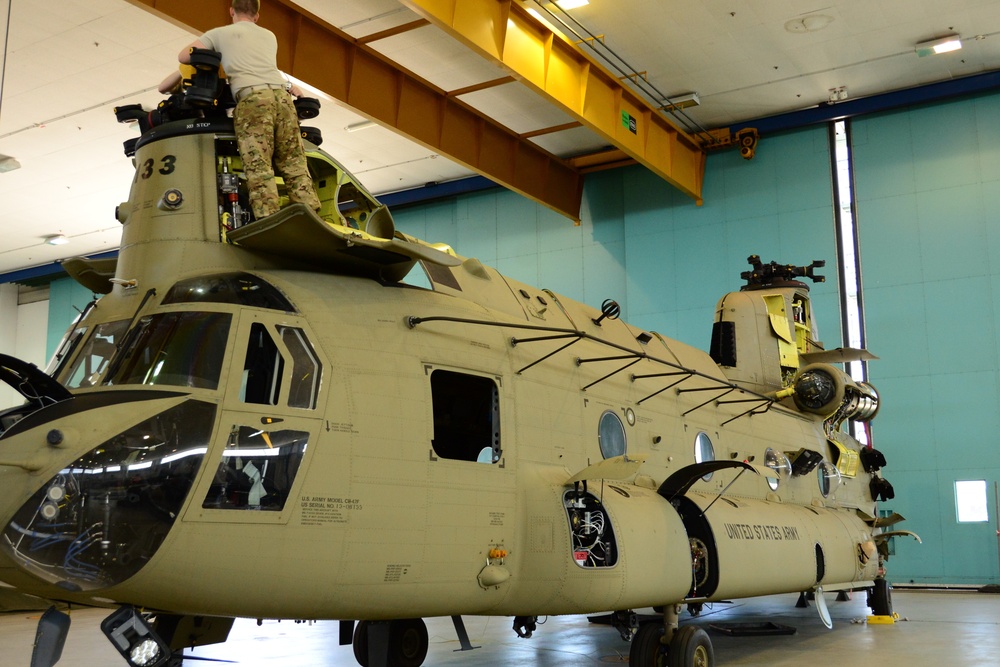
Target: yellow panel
{"points": [[662, 144], [564, 79], [787, 351], [524, 52], [600, 105], [848, 460], [536, 55], [482, 21]]}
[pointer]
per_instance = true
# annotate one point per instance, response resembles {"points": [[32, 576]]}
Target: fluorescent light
{"points": [[8, 163], [940, 45], [675, 102], [571, 4], [56, 239], [363, 125]]}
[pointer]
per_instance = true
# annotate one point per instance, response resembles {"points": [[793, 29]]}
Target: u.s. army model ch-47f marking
{"points": [[320, 417]]}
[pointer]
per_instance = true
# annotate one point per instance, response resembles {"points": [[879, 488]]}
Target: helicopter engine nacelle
{"points": [[792, 548], [823, 389]]}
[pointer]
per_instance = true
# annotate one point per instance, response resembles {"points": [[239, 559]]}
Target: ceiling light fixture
{"points": [[940, 45], [8, 163], [363, 125], [675, 102], [571, 4], [811, 23], [56, 239]]}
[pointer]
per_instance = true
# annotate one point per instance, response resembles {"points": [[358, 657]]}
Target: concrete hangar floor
{"points": [[934, 628]]}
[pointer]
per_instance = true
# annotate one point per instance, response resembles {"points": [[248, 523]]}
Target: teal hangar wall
{"points": [[928, 191]]}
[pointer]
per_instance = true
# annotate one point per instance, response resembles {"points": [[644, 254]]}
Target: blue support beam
{"points": [[437, 191], [977, 83]]}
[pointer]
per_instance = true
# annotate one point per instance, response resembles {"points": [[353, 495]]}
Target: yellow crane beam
{"points": [[504, 32], [351, 71]]}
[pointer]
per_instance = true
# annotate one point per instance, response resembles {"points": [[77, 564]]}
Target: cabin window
{"points": [[611, 435], [243, 289], [257, 469], [829, 478], [704, 451], [181, 349], [262, 368], [466, 417], [306, 369], [86, 369], [970, 501], [780, 464]]}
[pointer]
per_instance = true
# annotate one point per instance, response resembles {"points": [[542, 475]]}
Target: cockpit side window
{"points": [[306, 368], [262, 368], [183, 349], [86, 369], [257, 469], [466, 417]]}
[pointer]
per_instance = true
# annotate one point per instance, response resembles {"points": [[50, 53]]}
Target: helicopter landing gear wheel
{"points": [[646, 649], [691, 647], [405, 644], [880, 598]]}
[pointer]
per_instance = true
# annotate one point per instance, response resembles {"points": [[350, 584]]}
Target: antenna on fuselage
{"points": [[609, 310]]}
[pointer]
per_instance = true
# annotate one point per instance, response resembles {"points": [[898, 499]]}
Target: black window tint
{"points": [[179, 349], [466, 417], [262, 368], [257, 469], [238, 288]]}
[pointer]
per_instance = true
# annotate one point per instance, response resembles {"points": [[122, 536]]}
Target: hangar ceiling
{"points": [[67, 63]]}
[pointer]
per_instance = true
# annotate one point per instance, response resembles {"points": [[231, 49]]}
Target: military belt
{"points": [[243, 92]]}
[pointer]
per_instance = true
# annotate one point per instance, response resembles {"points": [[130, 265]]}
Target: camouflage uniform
{"points": [[267, 130]]}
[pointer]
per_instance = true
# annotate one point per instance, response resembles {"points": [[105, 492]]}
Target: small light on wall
{"points": [[56, 239], [940, 45]]}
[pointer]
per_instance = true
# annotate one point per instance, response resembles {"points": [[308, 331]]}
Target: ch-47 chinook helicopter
{"points": [[319, 417]]}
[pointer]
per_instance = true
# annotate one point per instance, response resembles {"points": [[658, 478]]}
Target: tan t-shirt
{"points": [[249, 54]]}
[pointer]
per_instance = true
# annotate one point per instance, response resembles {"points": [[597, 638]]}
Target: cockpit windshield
{"points": [[86, 369], [184, 349]]}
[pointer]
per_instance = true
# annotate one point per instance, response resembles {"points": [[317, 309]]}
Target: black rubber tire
{"points": [[646, 649], [360, 643], [307, 107], [407, 642], [691, 647], [313, 135], [880, 598]]}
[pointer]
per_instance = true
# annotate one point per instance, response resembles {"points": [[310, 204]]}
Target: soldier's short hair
{"points": [[248, 7]]}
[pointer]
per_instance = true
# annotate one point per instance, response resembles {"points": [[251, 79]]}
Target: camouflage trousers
{"points": [[267, 131]]}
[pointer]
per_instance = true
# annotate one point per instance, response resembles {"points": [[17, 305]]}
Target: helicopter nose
{"points": [[88, 512]]}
